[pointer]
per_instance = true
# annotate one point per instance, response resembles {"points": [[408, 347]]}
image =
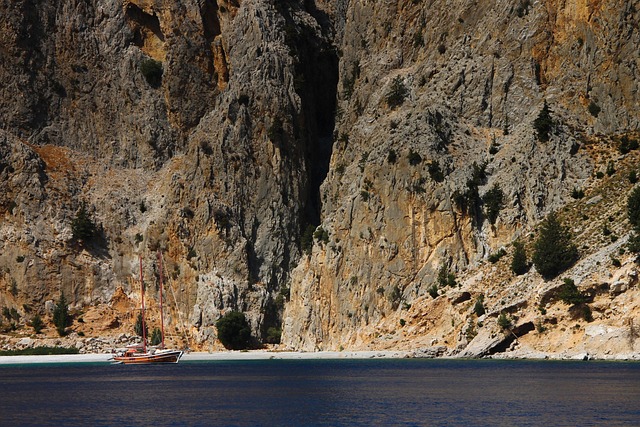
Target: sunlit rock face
{"points": [[217, 132]]}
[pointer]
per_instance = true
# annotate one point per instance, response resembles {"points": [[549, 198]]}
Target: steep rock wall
{"points": [[475, 78]]}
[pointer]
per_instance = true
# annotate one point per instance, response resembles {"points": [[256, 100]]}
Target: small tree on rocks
{"points": [[397, 94], [61, 315], [519, 263], [82, 227], [36, 323], [553, 251], [138, 326]]}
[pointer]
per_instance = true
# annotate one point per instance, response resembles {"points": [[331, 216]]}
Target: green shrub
{"points": [[435, 172], [306, 241], [445, 277], [321, 235], [633, 245], [152, 72], [82, 226], [577, 193], [633, 208], [40, 351], [504, 322], [611, 168], [138, 326], [495, 257], [519, 262], [633, 177], [392, 157], [627, 145], [61, 315], [394, 296], [569, 293], [36, 323], [402, 322], [493, 203], [156, 336], [554, 251], [594, 109], [397, 93], [478, 307], [233, 331], [274, 335], [414, 158], [433, 291]]}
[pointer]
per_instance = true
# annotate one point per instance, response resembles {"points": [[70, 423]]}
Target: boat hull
{"points": [[149, 358]]}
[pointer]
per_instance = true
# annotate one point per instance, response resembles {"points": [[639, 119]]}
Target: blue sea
{"points": [[382, 392]]}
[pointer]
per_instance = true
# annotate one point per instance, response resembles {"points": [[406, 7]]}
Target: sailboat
{"points": [[141, 353]]}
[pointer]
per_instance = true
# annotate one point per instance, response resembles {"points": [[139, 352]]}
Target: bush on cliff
{"points": [[61, 315], [519, 263], [152, 72], [82, 226], [233, 331], [554, 251], [543, 124]]}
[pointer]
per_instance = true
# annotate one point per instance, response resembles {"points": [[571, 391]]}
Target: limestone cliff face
{"points": [[270, 116], [475, 76], [213, 166]]}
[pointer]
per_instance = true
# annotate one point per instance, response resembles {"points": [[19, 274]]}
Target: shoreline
{"points": [[213, 356], [299, 355]]}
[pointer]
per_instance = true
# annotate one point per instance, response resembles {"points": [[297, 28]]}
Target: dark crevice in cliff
{"points": [[316, 81], [210, 21], [142, 23]]}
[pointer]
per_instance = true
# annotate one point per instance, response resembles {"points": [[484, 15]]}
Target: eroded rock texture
{"points": [[217, 132]]}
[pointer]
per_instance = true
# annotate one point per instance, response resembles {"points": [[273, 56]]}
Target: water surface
{"points": [[324, 393]]}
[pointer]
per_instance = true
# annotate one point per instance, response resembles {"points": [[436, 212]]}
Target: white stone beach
{"points": [[221, 355]]}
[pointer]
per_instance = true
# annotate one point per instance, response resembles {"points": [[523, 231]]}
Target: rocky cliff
{"points": [[218, 132]]}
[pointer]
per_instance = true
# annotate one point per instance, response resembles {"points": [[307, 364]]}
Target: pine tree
{"points": [[553, 251], [61, 315], [156, 336], [493, 200], [633, 208], [82, 226], [519, 263], [633, 213], [36, 323], [138, 327], [397, 94]]}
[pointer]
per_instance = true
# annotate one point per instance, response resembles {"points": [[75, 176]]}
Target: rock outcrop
{"points": [[402, 135]]}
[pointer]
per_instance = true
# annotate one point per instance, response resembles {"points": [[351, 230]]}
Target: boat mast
{"points": [[144, 326], [161, 299]]}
